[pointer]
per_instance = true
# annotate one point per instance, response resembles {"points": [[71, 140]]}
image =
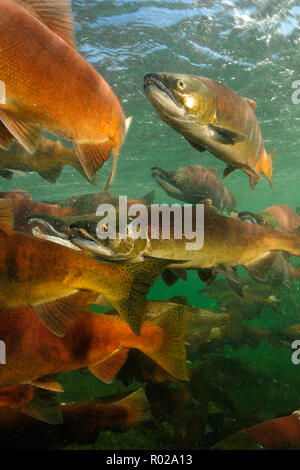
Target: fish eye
{"points": [[104, 228], [180, 85]]}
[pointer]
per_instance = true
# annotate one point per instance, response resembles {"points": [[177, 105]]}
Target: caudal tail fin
{"points": [[138, 408], [171, 355], [267, 167]]}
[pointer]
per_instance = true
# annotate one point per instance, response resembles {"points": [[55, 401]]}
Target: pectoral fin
{"points": [[225, 136], [48, 382], [60, 314], [12, 171], [27, 133]]}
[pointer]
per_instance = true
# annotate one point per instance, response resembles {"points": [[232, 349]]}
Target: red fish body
{"points": [[34, 352], [287, 218], [82, 423], [49, 85], [276, 434], [23, 205]]}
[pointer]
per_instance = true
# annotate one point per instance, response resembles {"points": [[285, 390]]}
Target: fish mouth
{"points": [[36, 232], [164, 101], [249, 217], [48, 224], [154, 80], [164, 179], [99, 248], [91, 245], [82, 233]]}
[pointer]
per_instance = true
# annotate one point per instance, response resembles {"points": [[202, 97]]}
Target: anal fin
{"points": [[260, 269], [52, 174], [93, 155], [107, 369]]}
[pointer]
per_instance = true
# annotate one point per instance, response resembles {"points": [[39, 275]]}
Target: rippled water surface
{"points": [[250, 46]]}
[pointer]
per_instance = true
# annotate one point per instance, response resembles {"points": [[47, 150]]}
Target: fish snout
{"points": [[157, 83], [152, 79], [156, 171]]}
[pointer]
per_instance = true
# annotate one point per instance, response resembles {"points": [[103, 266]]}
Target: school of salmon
{"points": [[54, 267]]}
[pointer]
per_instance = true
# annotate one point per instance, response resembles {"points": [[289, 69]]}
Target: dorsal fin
{"points": [[251, 103], [6, 216], [55, 14]]}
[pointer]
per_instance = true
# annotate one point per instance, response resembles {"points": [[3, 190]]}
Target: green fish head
{"points": [[178, 96], [174, 183]]}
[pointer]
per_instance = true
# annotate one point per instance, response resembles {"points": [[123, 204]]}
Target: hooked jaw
{"points": [[165, 179], [161, 97], [155, 81], [56, 228]]}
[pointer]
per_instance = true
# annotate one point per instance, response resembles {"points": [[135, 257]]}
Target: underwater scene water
{"points": [[241, 317]]}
